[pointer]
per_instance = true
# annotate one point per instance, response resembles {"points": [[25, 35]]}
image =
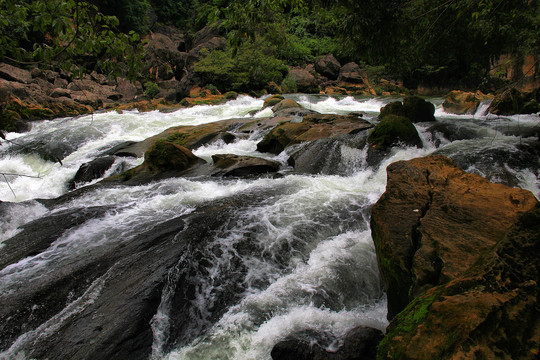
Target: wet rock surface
{"points": [[442, 219], [243, 166], [111, 295], [358, 344], [489, 311]]}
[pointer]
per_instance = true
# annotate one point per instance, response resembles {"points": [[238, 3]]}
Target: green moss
{"points": [[405, 324], [177, 138], [231, 95], [393, 129]]}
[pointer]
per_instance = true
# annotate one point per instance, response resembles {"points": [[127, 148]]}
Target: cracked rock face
{"points": [[433, 222]]}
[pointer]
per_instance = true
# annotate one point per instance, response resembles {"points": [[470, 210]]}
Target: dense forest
{"points": [[428, 41]]}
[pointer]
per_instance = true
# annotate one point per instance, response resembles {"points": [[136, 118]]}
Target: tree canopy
{"points": [[417, 40]]}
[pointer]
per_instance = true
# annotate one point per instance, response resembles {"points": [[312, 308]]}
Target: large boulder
{"points": [[13, 73], [163, 60], [391, 131], [488, 312], [313, 127], [462, 102], [285, 104], [412, 107], [305, 81], [352, 73], [168, 156], [433, 222], [328, 66]]}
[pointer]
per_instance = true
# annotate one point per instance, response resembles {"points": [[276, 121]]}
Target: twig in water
{"points": [[10, 174], [10, 188]]}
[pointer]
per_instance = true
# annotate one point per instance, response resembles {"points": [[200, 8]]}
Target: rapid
{"points": [[248, 261]]}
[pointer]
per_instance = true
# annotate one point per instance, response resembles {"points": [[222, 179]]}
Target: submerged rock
{"points": [[358, 343], [243, 166], [433, 222]]}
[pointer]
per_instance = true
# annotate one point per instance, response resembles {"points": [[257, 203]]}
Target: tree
{"points": [[68, 34]]}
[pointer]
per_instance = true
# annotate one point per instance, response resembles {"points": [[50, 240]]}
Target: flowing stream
{"points": [[270, 257]]}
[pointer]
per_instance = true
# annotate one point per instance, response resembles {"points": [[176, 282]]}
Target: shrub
{"points": [[151, 90]]}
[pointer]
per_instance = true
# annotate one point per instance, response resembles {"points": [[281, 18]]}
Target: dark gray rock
{"points": [[91, 170], [358, 344], [328, 66], [243, 166]]}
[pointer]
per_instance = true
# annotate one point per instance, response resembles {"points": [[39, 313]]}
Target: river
{"points": [[264, 258]]}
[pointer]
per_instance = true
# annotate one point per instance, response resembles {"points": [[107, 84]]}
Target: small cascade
{"points": [[482, 109]]}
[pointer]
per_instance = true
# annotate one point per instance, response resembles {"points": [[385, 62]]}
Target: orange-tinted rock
{"points": [[488, 312], [433, 222], [313, 127], [461, 102]]}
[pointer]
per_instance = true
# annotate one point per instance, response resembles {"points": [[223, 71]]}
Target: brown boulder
{"points": [[243, 166], [304, 80], [272, 100], [489, 312], [285, 104], [313, 127], [328, 66], [351, 73], [13, 73], [461, 102], [127, 89], [433, 222]]}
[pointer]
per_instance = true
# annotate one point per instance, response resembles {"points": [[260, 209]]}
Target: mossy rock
{"points": [[11, 121], [412, 107], [231, 95], [393, 108], [393, 130], [285, 104], [418, 109], [272, 100], [168, 156]]}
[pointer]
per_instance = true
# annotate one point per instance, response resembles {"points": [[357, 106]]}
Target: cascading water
{"points": [[211, 268]]}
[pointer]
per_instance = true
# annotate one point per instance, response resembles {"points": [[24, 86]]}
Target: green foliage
{"points": [[289, 85], [249, 69], [69, 34], [151, 89], [132, 14]]}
